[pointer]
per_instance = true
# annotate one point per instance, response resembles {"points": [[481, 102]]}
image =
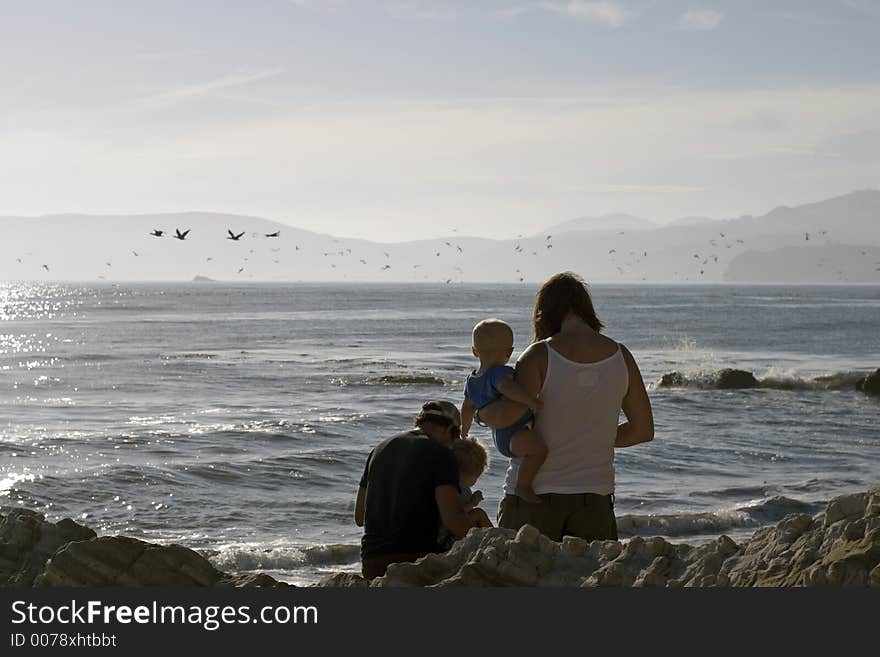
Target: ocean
{"points": [[236, 419]]}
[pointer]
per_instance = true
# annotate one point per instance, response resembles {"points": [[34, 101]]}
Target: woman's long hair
{"points": [[562, 294]]}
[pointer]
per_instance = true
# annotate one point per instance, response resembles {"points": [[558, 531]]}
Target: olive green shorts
{"points": [[585, 515]]}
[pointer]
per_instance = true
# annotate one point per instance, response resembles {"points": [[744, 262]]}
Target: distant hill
{"points": [[786, 244], [691, 221], [836, 263], [609, 222]]}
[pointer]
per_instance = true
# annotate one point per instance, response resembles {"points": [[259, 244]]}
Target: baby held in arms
{"points": [[493, 345]]}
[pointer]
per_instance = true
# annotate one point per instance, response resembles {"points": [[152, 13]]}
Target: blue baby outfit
{"points": [[482, 390]]}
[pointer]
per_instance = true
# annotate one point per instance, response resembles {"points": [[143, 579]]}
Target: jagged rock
{"points": [[839, 547], [124, 561], [671, 380], [870, 385], [27, 541], [250, 580], [729, 379], [343, 580]]}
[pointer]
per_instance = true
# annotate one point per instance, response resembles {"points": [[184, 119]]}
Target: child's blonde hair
{"points": [[472, 457], [492, 335]]}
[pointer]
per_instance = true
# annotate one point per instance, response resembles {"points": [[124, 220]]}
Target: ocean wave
{"points": [[731, 379], [754, 514], [245, 558], [415, 379]]}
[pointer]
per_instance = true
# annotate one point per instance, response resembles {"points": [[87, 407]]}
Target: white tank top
{"points": [[579, 424]]}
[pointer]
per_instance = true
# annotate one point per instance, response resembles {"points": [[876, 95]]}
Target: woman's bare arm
{"points": [[530, 369], [639, 425]]}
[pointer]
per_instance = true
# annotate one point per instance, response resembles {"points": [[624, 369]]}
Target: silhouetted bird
{"points": [[134, 253], [46, 267], [241, 270], [179, 235], [233, 236], [157, 233], [275, 234]]}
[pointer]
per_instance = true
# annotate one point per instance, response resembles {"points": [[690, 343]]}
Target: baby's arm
{"points": [[467, 417], [509, 387]]}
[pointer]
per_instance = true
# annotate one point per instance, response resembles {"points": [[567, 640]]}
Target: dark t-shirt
{"points": [[401, 513]]}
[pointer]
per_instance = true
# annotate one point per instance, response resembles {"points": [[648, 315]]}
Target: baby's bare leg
{"points": [[530, 447]]}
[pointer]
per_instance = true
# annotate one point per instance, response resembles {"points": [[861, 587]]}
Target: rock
{"points": [[343, 580], [870, 385], [839, 547], [124, 561], [250, 580], [729, 379], [27, 541], [671, 380]]}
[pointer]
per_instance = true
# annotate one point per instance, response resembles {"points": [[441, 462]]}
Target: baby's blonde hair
{"points": [[472, 457], [492, 335]]}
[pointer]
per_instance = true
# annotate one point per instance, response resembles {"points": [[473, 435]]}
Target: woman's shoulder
{"points": [[536, 350]]}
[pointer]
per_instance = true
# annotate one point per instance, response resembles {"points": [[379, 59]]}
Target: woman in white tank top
{"points": [[584, 379]]}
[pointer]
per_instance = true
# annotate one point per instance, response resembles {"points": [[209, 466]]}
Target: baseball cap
{"points": [[442, 409]]}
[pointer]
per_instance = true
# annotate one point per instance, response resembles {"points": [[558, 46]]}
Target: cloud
{"points": [[869, 7], [198, 90], [421, 10], [700, 19], [611, 14]]}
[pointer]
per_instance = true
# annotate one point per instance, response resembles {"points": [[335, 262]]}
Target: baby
{"points": [[472, 459], [493, 345]]}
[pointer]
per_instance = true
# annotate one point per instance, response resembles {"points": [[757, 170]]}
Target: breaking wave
{"points": [[740, 379], [239, 558], [755, 514], [414, 379]]}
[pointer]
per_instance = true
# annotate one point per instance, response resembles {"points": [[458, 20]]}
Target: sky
{"points": [[403, 119]]}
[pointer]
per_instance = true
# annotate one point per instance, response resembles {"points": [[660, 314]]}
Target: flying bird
{"points": [[157, 233], [46, 267], [134, 253], [241, 270], [233, 236], [179, 235], [275, 234]]}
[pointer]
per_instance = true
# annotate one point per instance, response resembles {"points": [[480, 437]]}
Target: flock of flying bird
{"points": [[703, 260]]}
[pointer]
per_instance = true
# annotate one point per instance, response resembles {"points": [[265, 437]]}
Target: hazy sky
{"points": [[393, 119]]}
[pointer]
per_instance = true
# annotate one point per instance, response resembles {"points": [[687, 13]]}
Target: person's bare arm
{"points": [[639, 425], [467, 417], [452, 514], [513, 390], [501, 413], [530, 369], [360, 506]]}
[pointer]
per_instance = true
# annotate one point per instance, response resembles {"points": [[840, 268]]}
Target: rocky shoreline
{"points": [[837, 547]]}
